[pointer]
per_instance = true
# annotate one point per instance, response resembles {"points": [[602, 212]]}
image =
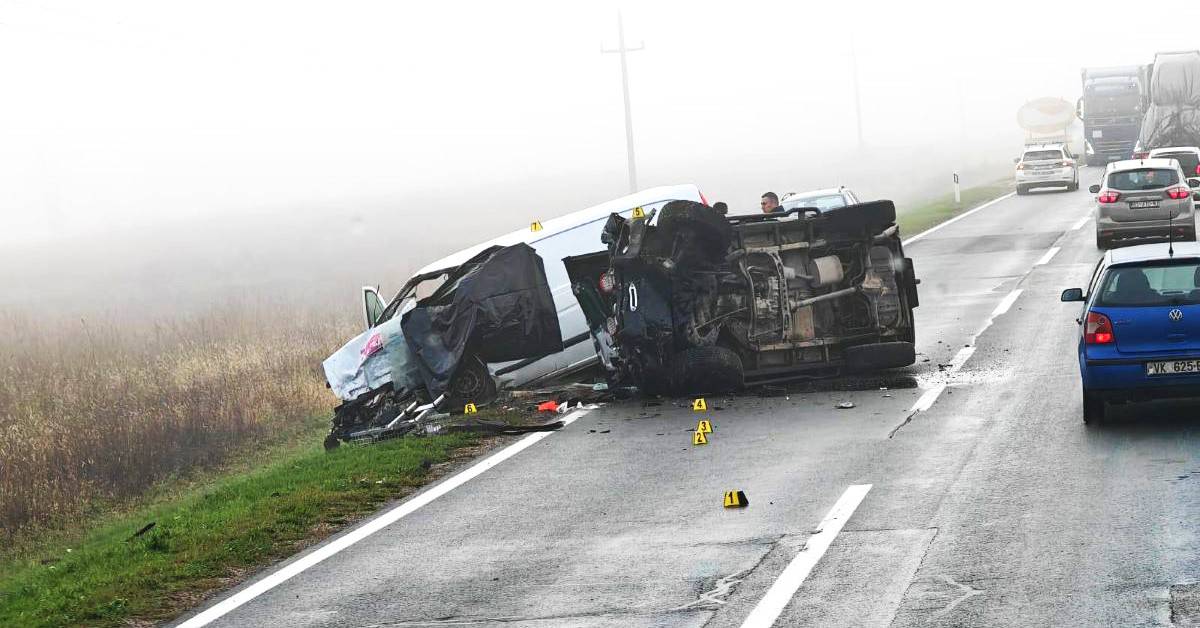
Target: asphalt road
{"points": [[991, 504]]}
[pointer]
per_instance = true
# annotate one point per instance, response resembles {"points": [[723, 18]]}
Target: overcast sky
{"points": [[134, 112]]}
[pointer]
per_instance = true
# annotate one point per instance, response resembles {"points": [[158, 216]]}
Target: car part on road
{"points": [[702, 302]]}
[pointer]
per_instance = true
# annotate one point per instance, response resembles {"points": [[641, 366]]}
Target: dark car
{"points": [[701, 302]]}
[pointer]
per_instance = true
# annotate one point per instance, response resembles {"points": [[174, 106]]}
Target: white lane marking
{"points": [[1048, 256], [1005, 304], [772, 604], [955, 219], [926, 400], [371, 527], [1082, 221]]}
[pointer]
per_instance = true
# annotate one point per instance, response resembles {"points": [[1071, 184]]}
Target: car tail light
{"points": [[1067, 163], [607, 283], [1108, 196], [1099, 329], [1179, 193], [1020, 166], [1197, 168]]}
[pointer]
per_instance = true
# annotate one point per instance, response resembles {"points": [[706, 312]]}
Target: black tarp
{"points": [[497, 306], [1173, 118]]}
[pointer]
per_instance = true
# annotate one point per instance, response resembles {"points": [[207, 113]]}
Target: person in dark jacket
{"points": [[769, 203]]}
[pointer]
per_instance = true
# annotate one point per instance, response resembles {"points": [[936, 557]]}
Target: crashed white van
{"points": [[374, 375]]}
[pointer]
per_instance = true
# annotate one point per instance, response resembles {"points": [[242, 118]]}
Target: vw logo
{"points": [[1175, 314]]}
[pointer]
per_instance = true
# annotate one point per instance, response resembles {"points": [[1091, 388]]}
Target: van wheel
{"points": [[471, 383], [1093, 407], [708, 370], [1022, 190]]}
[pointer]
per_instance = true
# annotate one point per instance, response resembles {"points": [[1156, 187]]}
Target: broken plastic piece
{"points": [[547, 406]]}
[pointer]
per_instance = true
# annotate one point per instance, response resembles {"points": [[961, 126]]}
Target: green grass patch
{"points": [[916, 219], [208, 536]]}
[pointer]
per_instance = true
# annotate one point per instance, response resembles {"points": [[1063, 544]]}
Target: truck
{"points": [[1111, 107], [1172, 102]]}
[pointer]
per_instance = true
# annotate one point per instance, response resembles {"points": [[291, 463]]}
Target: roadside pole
{"points": [[957, 191], [621, 50]]}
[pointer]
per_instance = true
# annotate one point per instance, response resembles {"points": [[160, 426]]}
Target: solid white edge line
{"points": [[380, 522], [955, 219], [777, 597], [1048, 256]]}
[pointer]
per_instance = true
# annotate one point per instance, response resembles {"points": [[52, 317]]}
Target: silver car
{"points": [[1144, 200]]}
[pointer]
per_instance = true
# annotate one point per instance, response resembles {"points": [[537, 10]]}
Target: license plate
{"points": [[1143, 205], [1173, 367], [1097, 134]]}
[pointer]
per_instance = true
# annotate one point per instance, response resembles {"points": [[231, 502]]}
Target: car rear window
{"points": [[1188, 161], [822, 203], [1174, 283], [1042, 155], [1142, 179]]}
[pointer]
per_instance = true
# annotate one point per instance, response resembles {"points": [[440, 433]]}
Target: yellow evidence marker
{"points": [[704, 426], [535, 226], [699, 405], [638, 213], [470, 409], [699, 438], [736, 499]]}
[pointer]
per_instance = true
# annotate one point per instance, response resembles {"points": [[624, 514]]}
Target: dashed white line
{"points": [[772, 604], [1082, 221], [371, 527], [1003, 306], [926, 400], [1048, 256], [955, 219]]}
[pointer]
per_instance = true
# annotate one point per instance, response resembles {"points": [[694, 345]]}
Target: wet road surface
{"points": [[981, 498]]}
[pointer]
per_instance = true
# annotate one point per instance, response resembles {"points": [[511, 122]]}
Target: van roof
{"points": [[554, 226]]}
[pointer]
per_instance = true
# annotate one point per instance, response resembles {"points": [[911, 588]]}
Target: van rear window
{"points": [[1042, 155], [1151, 285]]}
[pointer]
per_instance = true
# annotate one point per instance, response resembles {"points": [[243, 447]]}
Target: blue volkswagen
{"points": [[1140, 326]]}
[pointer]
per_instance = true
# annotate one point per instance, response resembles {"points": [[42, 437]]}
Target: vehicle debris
{"points": [[845, 405], [700, 302]]}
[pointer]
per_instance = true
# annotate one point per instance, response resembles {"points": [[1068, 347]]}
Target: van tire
{"points": [[879, 356], [471, 383], [701, 219], [714, 369], [1022, 190]]}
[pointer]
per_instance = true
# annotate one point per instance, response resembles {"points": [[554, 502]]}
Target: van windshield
{"points": [[1156, 284]]}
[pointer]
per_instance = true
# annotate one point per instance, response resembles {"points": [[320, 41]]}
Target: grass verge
{"points": [[209, 536], [917, 219]]}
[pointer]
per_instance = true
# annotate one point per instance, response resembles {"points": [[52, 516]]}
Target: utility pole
{"points": [[621, 50], [857, 103]]}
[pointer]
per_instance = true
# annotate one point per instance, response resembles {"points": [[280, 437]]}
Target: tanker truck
{"points": [[1173, 102], [1111, 110]]}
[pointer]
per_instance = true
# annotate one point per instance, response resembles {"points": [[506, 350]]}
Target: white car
{"points": [[1187, 156], [824, 200], [1047, 165]]}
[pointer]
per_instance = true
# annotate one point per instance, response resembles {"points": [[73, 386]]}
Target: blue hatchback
{"points": [[1140, 326]]}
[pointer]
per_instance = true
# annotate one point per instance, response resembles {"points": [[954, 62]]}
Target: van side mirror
{"points": [[1016, 160], [373, 305], [1095, 189], [1071, 295]]}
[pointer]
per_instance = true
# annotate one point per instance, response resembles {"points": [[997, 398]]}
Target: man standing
{"points": [[769, 203]]}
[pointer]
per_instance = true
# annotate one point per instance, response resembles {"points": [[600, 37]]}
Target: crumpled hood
{"points": [[369, 360]]}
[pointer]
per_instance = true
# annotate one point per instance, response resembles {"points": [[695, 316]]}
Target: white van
{"points": [[350, 376]]}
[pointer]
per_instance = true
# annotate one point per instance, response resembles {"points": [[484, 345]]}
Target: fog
{"points": [[311, 147]]}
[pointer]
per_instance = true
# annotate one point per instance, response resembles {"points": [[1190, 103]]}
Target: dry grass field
{"points": [[94, 411]]}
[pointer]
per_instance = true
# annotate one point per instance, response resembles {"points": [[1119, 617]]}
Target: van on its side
{"points": [[356, 380]]}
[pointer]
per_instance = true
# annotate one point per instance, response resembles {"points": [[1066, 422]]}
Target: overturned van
{"points": [[392, 373], [696, 301]]}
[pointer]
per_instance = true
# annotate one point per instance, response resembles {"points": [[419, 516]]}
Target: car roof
{"points": [[812, 193], [1049, 146], [1134, 164], [1175, 149], [570, 221], [1153, 252]]}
